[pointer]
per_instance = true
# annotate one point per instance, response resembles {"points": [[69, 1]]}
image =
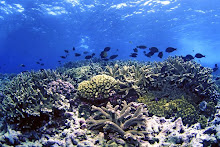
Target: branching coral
{"points": [[98, 88], [127, 123], [27, 97]]}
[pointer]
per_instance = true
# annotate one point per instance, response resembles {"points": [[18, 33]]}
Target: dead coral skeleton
{"points": [[127, 123]]}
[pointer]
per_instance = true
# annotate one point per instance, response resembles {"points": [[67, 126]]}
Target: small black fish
{"points": [[42, 64], [59, 61], [113, 56], [149, 54], [188, 57], [77, 54], [74, 48], [40, 59], [135, 50], [160, 55], [22, 65], [133, 55], [141, 46], [93, 54], [215, 68], [85, 52], [198, 55], [154, 49], [218, 78], [107, 49], [66, 51], [38, 62], [170, 49], [63, 57], [88, 57], [103, 54]]}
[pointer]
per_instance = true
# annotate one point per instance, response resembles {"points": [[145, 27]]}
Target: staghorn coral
{"points": [[27, 98], [122, 126], [98, 87], [188, 75], [133, 78]]}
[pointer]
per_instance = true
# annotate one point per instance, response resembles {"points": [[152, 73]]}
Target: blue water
{"points": [[34, 29]]}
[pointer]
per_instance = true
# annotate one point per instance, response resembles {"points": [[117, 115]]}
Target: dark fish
{"points": [[103, 54], [88, 57], [85, 52], [188, 57], [116, 49], [93, 54], [59, 61], [170, 49], [63, 57], [218, 78], [141, 46], [160, 55], [77, 54], [22, 65], [107, 49], [154, 49], [42, 64], [149, 54], [113, 56], [38, 62], [66, 51], [135, 50], [74, 48], [215, 68], [198, 55], [133, 55], [40, 59]]}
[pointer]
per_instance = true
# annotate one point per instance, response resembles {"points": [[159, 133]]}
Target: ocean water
{"points": [[43, 29]]}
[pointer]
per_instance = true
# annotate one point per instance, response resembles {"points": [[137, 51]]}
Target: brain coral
{"points": [[99, 87]]}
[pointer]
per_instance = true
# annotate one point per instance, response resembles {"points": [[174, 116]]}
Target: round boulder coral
{"points": [[99, 87]]}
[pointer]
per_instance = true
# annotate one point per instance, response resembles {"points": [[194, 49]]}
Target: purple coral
{"points": [[61, 87]]}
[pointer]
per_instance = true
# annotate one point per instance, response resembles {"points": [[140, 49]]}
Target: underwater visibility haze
{"points": [[104, 73], [36, 29]]}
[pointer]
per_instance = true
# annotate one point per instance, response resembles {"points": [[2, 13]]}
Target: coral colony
{"points": [[111, 103]]}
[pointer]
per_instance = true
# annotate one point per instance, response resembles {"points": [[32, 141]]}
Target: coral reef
{"points": [[125, 126], [187, 75], [97, 88], [27, 98]]}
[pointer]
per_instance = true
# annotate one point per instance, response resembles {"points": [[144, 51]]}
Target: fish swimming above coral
{"points": [[133, 55], [63, 57], [160, 55], [103, 54], [107, 49], [170, 49], [135, 50], [22, 65], [198, 55], [66, 51], [188, 57], [88, 57], [73, 48], [113, 56], [142, 46], [77, 54], [215, 68], [149, 54], [153, 49]]}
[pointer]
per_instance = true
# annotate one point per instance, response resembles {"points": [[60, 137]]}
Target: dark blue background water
{"points": [[34, 29]]}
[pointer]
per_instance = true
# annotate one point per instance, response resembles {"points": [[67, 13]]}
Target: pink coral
{"points": [[61, 87]]}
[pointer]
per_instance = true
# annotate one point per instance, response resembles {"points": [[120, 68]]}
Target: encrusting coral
{"points": [[98, 87], [125, 126]]}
